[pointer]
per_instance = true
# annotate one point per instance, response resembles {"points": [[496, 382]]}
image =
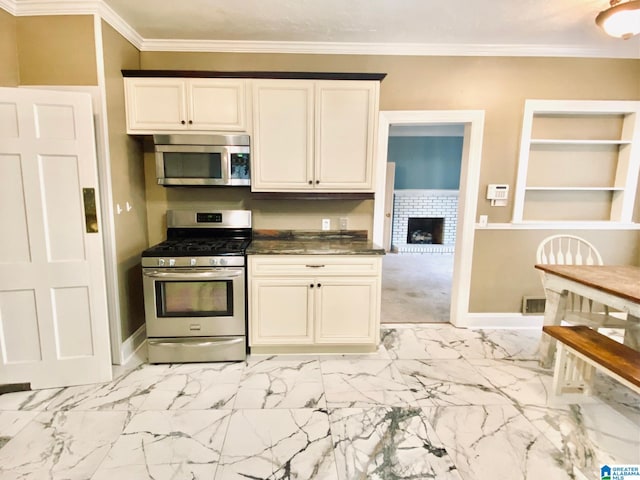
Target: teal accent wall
{"points": [[431, 163]]}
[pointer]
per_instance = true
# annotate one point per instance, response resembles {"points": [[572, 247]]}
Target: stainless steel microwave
{"points": [[202, 160]]}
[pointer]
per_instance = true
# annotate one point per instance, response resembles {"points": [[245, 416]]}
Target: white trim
{"points": [[603, 225], [122, 27], [74, 7], [108, 216], [9, 6], [514, 321], [408, 49], [473, 121], [80, 7], [131, 345]]}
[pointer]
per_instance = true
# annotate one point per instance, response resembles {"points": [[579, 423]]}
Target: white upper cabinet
{"points": [[283, 129], [313, 135], [165, 105], [579, 161]]}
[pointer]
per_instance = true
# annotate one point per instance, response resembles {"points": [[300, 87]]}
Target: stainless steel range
{"points": [[195, 287]]}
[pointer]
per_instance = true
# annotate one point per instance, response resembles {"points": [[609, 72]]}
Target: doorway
{"points": [[418, 269], [473, 124]]}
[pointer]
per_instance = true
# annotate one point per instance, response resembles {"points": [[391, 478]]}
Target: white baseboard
{"points": [[504, 320], [133, 343]]}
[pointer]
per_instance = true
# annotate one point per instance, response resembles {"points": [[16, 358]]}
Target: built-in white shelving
{"points": [[579, 161]]}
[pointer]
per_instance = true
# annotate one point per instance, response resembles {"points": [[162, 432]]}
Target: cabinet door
{"points": [[155, 104], [217, 104], [346, 114], [281, 311], [282, 152], [347, 310]]}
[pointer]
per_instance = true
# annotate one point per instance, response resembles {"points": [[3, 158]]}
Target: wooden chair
{"points": [[573, 250]]}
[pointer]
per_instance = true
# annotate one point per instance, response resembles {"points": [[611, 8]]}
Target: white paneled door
{"points": [[53, 310]]}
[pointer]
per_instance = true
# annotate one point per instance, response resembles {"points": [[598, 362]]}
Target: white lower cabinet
{"points": [[314, 300]]}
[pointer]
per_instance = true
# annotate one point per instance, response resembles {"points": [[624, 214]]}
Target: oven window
{"points": [[194, 299], [192, 165]]}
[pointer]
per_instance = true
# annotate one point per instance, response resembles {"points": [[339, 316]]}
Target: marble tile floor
{"points": [[434, 402]]}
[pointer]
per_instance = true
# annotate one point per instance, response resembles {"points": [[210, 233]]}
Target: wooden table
{"points": [[617, 286]]}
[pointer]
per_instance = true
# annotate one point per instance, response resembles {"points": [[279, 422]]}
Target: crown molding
{"points": [[628, 49], [74, 7], [407, 49], [9, 6]]}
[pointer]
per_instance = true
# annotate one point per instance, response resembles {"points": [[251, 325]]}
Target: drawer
{"points": [[316, 265]]}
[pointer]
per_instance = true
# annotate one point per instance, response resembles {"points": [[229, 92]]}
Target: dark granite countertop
{"points": [[298, 242]]}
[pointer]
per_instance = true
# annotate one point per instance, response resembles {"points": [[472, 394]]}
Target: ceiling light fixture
{"points": [[620, 20]]}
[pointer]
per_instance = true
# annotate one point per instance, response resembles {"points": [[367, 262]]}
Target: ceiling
{"points": [[423, 27]]}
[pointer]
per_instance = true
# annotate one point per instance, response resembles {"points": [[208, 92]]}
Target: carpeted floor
{"points": [[416, 288]]}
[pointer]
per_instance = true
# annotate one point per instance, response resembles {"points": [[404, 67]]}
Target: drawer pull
{"points": [[314, 266]]}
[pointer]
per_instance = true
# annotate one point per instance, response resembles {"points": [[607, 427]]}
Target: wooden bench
{"points": [[581, 350]]}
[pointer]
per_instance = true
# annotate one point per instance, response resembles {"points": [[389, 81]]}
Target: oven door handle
{"points": [[191, 343], [189, 275]]}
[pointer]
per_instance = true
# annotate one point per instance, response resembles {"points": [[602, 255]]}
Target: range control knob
{"points": [[161, 262], [223, 261], [172, 262], [193, 262], [213, 261]]}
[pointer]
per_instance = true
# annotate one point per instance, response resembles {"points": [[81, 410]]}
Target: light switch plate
{"points": [[326, 224], [344, 223]]}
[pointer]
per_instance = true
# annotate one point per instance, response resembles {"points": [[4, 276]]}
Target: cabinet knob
{"points": [[319, 285], [317, 181], [310, 182], [183, 122], [311, 286], [190, 122]]}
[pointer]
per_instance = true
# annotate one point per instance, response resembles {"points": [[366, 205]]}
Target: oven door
{"points": [[181, 302]]}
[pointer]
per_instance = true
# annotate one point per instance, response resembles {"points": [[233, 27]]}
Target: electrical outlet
{"points": [[344, 223], [484, 219], [326, 224]]}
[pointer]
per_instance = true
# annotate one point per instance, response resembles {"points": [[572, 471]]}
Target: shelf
{"points": [[552, 141], [579, 162], [577, 189]]}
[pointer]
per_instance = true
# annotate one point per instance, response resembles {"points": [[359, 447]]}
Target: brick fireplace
{"points": [[430, 217]]}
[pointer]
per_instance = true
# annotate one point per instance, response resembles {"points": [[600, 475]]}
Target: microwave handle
{"points": [[183, 275]]}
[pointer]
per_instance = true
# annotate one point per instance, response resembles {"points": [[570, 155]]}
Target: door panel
{"points": [[54, 122], [20, 340], [62, 208], [53, 314], [71, 307], [14, 241], [8, 120]]}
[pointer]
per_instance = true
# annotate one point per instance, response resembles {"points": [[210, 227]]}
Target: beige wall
{"points": [[502, 270], [9, 72], [266, 214], [503, 263], [56, 50], [127, 179], [60, 50]]}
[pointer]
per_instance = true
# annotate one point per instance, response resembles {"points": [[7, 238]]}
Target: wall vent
{"points": [[533, 305]]}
